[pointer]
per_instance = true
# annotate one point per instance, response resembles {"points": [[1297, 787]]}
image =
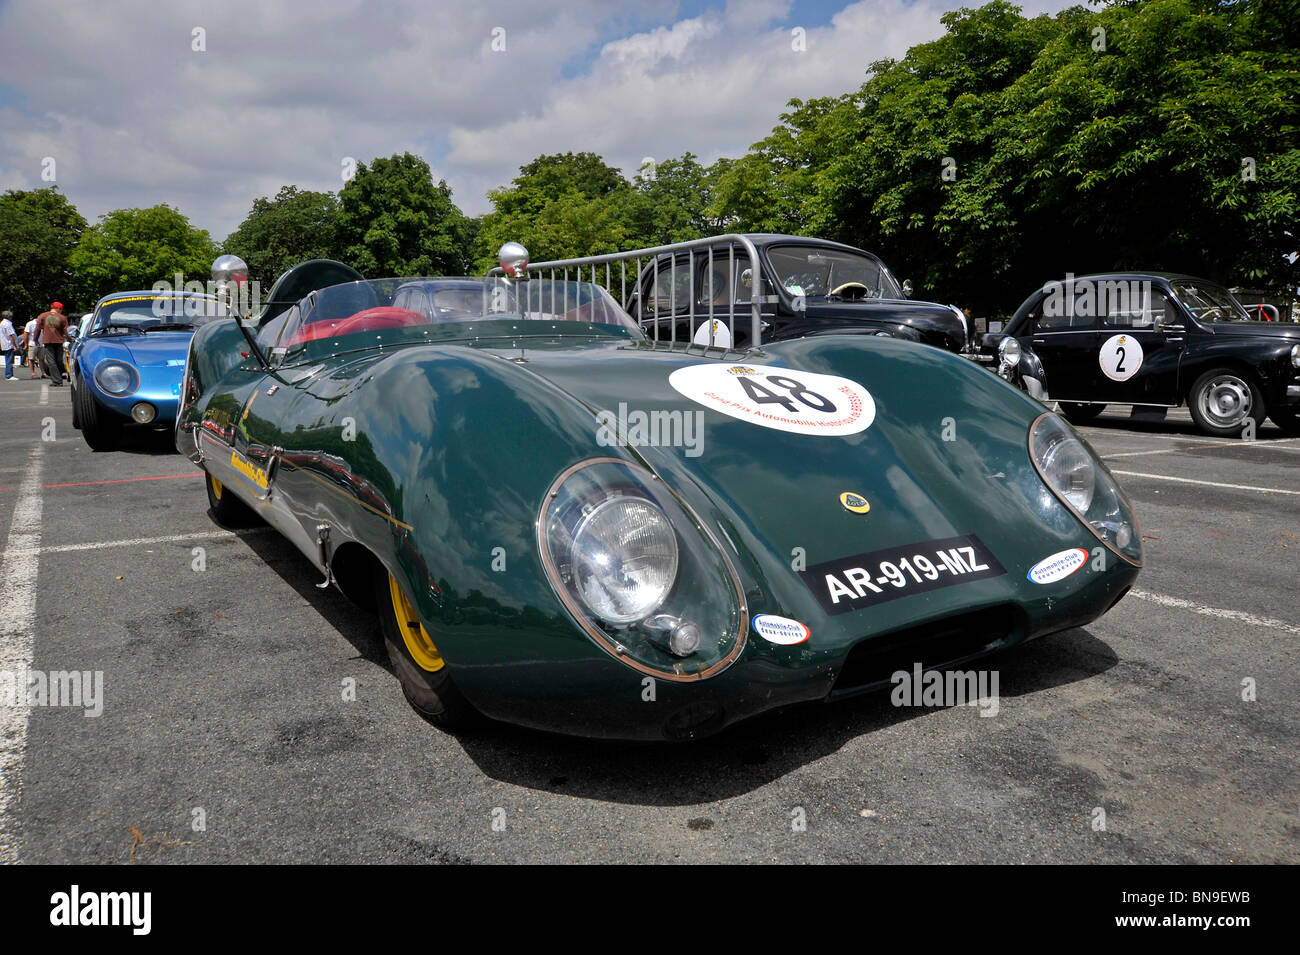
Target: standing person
{"points": [[8, 342], [51, 326], [32, 346]]}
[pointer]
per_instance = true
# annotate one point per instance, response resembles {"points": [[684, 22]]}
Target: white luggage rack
{"points": [[710, 311]]}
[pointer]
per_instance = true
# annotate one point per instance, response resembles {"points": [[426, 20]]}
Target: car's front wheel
{"points": [[101, 432], [1222, 401], [417, 662], [1080, 413], [229, 510]]}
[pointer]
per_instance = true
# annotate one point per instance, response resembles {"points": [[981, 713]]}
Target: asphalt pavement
{"points": [[1164, 732]]}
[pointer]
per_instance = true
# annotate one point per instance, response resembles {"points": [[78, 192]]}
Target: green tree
{"points": [[1152, 134], [278, 233], [559, 206], [38, 231], [676, 200], [134, 248], [395, 220]]}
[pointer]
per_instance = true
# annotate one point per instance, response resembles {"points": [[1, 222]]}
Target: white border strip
{"points": [[18, 573]]}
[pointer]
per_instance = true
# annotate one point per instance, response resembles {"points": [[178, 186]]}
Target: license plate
{"points": [[865, 580]]}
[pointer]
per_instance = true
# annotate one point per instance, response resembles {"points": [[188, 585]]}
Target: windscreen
{"points": [[378, 306], [1209, 302], [831, 273], [139, 315]]}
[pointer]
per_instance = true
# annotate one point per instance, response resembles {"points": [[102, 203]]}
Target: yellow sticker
{"points": [[249, 470], [855, 502]]}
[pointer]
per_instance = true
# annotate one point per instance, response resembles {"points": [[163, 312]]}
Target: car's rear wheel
{"points": [[1080, 413], [1288, 419], [417, 662], [101, 432], [1222, 400], [229, 510]]}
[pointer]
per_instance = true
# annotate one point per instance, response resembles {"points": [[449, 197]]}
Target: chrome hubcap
{"points": [[1225, 401]]}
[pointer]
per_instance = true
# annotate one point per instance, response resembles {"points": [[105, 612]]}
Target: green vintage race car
{"points": [[563, 524]]}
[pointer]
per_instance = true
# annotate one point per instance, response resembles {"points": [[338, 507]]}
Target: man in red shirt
{"points": [[51, 328]]}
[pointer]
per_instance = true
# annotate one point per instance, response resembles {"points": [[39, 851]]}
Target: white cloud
{"points": [[283, 93]]}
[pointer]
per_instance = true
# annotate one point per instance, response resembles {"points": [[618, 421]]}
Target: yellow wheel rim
{"points": [[418, 642], [216, 487]]}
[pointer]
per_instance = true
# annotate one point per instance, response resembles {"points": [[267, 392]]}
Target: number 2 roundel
{"points": [[1120, 358], [802, 402]]}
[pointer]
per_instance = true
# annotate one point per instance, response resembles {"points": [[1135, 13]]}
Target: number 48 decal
{"points": [[761, 396], [785, 399]]}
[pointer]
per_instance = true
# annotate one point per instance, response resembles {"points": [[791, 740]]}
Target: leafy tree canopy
{"points": [[395, 220], [278, 233], [134, 248], [38, 231]]}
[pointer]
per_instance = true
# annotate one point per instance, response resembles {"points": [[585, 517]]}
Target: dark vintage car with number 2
{"points": [[1159, 339], [565, 525]]}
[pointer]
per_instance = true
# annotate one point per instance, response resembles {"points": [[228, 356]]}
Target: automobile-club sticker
{"points": [[780, 630], [801, 402], [865, 580], [1058, 566], [1120, 357]]}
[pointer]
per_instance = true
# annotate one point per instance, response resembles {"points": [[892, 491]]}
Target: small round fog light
{"points": [[143, 412]]}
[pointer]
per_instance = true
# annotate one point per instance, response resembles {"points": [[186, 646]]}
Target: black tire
{"points": [[228, 510], [1080, 413], [1222, 400], [430, 692], [76, 405], [1288, 419], [102, 432]]}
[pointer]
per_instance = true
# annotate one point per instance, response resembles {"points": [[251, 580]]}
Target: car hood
{"points": [[1285, 330], [944, 457], [157, 349]]}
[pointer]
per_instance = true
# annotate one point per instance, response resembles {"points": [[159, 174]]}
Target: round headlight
{"points": [[1079, 480], [117, 378], [640, 573], [143, 412], [1067, 467], [625, 559], [1009, 350]]}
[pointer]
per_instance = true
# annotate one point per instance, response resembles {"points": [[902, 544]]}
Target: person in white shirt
{"points": [[8, 342], [29, 336]]}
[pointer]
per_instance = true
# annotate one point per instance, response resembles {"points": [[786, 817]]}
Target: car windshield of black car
{"points": [[828, 273], [1209, 302]]}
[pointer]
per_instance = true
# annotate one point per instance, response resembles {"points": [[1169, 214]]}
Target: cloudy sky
{"points": [[208, 105]]}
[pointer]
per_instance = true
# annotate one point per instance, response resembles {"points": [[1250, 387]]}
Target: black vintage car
{"points": [[1159, 339], [810, 287]]}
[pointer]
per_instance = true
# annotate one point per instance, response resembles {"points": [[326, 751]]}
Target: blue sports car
{"points": [[126, 369]]}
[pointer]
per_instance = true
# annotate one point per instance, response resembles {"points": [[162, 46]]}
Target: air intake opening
{"points": [[939, 643]]}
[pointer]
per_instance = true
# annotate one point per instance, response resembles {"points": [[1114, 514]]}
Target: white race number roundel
{"points": [[1121, 357], [782, 398]]}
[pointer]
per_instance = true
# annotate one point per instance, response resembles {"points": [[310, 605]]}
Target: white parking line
{"points": [[18, 571], [1180, 480], [1250, 618], [1243, 445], [146, 541]]}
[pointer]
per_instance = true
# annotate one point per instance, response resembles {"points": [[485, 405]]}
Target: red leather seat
{"points": [[370, 320]]}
